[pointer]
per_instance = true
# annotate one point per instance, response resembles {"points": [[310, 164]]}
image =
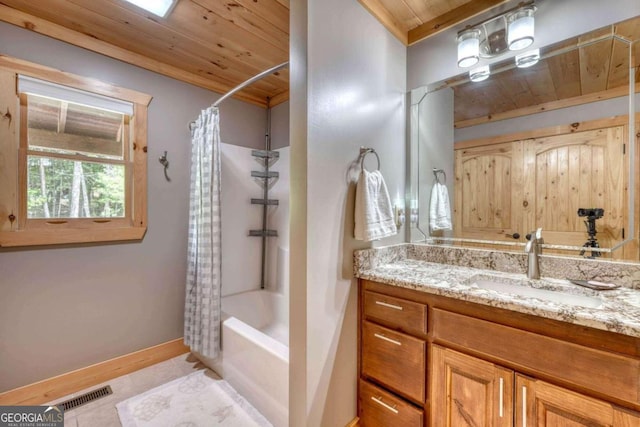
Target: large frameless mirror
{"points": [[546, 141]]}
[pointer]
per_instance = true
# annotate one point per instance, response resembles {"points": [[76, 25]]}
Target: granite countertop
{"points": [[412, 267]]}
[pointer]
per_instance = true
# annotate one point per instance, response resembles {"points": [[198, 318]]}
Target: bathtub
{"points": [[255, 351]]}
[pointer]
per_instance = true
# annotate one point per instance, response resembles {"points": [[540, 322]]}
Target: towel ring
{"points": [[436, 172], [363, 154]]}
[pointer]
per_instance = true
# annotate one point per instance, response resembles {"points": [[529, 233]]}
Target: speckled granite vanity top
{"points": [[463, 274]]}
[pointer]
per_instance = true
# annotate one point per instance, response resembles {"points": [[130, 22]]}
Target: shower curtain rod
{"points": [[253, 79]]}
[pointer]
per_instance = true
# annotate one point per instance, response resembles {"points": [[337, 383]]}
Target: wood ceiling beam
{"points": [[377, 9], [450, 19], [38, 25]]}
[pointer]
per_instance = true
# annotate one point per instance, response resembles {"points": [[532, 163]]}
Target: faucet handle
{"points": [[539, 233]]}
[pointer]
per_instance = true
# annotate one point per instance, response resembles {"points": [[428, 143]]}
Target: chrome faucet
{"points": [[534, 249]]}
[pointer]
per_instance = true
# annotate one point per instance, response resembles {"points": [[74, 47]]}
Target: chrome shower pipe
{"points": [[267, 147]]}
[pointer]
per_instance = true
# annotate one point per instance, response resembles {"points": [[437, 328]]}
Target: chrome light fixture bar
{"points": [[510, 30]]}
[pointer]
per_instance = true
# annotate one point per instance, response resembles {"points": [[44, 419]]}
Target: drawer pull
{"points": [[501, 410], [382, 337], [386, 304], [379, 401], [524, 406]]}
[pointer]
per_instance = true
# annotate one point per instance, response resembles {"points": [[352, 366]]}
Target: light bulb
{"points": [[468, 48], [528, 58], [480, 73], [520, 31]]}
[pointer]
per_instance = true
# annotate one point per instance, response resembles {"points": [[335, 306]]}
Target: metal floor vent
{"points": [[86, 398]]}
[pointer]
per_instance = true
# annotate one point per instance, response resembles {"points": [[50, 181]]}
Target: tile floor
{"points": [[103, 413]]}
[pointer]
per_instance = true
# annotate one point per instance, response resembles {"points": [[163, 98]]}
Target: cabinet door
{"points": [[488, 185], [519, 186], [467, 391], [539, 404], [577, 170]]}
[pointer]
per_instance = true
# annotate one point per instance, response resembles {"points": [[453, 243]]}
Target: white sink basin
{"points": [[524, 288]]}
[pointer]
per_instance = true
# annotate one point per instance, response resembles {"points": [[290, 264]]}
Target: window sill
{"points": [[69, 236]]}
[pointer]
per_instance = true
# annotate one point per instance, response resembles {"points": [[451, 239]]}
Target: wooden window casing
{"points": [[16, 229]]}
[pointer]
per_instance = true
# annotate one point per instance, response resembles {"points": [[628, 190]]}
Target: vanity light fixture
{"points": [[528, 58], [510, 30], [160, 8], [468, 48], [521, 28], [479, 74]]}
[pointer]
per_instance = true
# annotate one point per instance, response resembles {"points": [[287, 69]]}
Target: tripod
{"points": [[591, 242]]}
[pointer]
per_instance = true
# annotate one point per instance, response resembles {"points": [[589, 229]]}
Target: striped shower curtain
{"points": [[202, 303]]}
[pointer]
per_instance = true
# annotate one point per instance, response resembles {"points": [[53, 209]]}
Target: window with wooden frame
{"points": [[72, 158]]}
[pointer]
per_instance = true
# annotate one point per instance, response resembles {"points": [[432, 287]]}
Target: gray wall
{"points": [[280, 126], [355, 91], [435, 59], [563, 116], [66, 308]]}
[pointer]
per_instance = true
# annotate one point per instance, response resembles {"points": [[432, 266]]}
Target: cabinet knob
{"points": [[516, 235]]}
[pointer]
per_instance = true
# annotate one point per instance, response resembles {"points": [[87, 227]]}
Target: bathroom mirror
{"points": [[530, 146]]}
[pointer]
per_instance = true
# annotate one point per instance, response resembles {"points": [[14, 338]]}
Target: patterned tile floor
{"points": [[103, 413]]}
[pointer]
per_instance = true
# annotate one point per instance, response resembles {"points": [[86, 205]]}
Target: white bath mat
{"points": [[196, 400]]}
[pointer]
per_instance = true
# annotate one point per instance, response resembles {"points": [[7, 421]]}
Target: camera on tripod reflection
{"points": [[594, 213]]}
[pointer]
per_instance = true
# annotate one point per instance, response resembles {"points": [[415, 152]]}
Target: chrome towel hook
{"points": [[164, 162], [363, 153], [444, 175]]}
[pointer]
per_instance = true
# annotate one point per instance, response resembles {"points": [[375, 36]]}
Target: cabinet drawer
{"points": [[602, 372], [379, 408], [394, 359], [406, 315]]}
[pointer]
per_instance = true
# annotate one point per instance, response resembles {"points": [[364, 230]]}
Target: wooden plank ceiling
{"points": [[215, 44], [210, 43], [414, 20], [590, 67]]}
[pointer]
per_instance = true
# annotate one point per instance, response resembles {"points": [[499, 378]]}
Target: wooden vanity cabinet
{"points": [[472, 365]]}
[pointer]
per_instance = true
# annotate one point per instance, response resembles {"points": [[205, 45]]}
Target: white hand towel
{"points": [[373, 212], [439, 208]]}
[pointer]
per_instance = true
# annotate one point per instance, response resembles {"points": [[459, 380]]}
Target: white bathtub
{"points": [[255, 351]]}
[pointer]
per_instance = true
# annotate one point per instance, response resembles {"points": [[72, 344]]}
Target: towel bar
{"points": [[436, 172], [363, 153]]}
